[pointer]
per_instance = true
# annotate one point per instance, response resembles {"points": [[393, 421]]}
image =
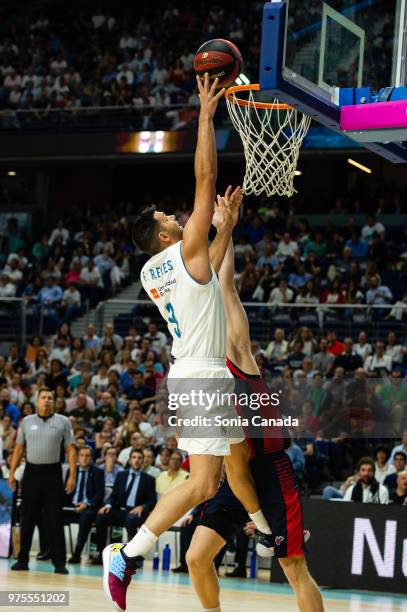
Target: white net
{"points": [[271, 140]]}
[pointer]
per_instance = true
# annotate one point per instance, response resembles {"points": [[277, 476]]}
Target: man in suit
{"points": [[85, 500], [132, 499]]}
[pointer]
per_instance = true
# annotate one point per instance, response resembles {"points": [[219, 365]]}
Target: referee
{"points": [[41, 436]]}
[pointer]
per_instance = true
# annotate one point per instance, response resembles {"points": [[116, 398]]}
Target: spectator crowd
{"points": [[65, 271], [102, 56], [77, 57], [329, 270], [342, 370]]}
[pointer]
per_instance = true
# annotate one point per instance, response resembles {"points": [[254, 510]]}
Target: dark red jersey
{"points": [[266, 434]]}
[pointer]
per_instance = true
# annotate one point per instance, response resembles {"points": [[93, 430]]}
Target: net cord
{"points": [[271, 139]]}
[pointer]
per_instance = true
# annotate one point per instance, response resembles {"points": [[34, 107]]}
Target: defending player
{"points": [[183, 284], [271, 468]]}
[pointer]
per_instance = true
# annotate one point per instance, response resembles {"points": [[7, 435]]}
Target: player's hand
{"points": [[104, 510], [138, 511], [235, 200], [80, 508], [207, 96], [222, 216], [249, 528]]}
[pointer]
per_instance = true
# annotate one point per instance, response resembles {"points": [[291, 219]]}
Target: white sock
{"points": [[141, 543], [212, 609], [260, 521]]}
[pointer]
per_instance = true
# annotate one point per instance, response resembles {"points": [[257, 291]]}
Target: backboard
{"points": [[345, 43], [324, 56]]}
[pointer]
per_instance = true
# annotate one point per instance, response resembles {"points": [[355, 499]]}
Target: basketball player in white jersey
{"points": [[179, 278]]}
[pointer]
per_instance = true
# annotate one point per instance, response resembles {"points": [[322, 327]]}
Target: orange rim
{"points": [[232, 97]]}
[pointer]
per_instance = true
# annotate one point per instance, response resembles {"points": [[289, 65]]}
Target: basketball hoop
{"points": [[271, 134]]}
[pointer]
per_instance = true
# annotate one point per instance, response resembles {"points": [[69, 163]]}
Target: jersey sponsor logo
{"points": [[155, 293], [279, 540], [166, 287]]}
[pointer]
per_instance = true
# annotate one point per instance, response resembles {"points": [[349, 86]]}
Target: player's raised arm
{"points": [[238, 333], [225, 217], [195, 250]]}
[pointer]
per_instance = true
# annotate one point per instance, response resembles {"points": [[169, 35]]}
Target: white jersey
{"points": [[194, 312]]}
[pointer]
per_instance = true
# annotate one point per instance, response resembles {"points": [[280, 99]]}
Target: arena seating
{"points": [[119, 62], [81, 68], [339, 291]]}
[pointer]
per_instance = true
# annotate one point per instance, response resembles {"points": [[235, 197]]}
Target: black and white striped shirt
{"points": [[43, 438]]}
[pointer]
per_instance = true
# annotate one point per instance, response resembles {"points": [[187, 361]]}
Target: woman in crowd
{"points": [[108, 429], [78, 347], [107, 359], [64, 329], [108, 463], [100, 380], [309, 344], [89, 355], [162, 460], [7, 432], [41, 364], [27, 408], [307, 294], [248, 281], [33, 347], [56, 375]]}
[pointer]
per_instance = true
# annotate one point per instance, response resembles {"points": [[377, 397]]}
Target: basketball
{"points": [[220, 59]]}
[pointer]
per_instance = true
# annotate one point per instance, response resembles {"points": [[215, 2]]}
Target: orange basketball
{"points": [[220, 59]]}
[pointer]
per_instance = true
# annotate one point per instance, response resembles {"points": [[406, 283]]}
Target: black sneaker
{"points": [[181, 568], [237, 573], [61, 569], [20, 567], [137, 562], [97, 560], [74, 559]]}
